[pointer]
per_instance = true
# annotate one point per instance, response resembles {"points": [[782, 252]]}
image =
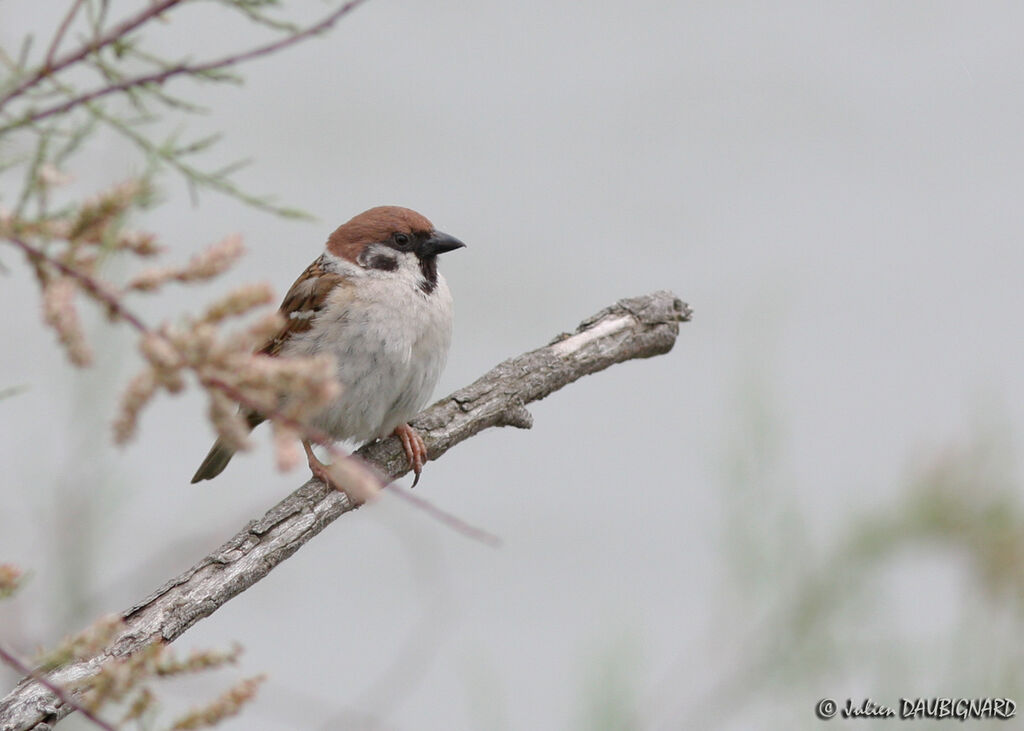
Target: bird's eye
{"points": [[402, 240]]}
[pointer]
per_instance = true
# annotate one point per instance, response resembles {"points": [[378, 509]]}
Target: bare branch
{"points": [[640, 327], [64, 696]]}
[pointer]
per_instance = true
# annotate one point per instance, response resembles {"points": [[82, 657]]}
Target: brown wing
{"points": [[306, 298], [304, 301]]}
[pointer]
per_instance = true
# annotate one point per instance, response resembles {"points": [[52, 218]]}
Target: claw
{"points": [[415, 449]]}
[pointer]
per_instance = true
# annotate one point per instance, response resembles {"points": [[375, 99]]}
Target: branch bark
{"points": [[639, 327]]}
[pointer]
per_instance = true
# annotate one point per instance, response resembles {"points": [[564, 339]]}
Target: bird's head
{"points": [[393, 239]]}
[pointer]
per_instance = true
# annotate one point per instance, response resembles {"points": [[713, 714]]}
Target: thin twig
{"points": [[452, 521], [89, 284], [77, 55], [59, 35], [160, 77], [58, 691], [214, 180]]}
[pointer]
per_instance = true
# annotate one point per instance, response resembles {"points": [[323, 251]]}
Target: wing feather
{"points": [[305, 300]]}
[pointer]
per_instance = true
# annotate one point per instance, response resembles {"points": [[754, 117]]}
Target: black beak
{"points": [[438, 243]]}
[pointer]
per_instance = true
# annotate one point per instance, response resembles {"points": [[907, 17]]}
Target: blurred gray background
{"points": [[834, 188]]}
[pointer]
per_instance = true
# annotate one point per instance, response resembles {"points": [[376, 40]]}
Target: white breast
{"points": [[391, 341]]}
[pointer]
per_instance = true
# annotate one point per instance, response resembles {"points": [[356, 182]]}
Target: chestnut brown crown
{"points": [[376, 225]]}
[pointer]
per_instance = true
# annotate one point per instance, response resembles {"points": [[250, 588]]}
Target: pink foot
{"points": [[415, 449], [318, 468]]}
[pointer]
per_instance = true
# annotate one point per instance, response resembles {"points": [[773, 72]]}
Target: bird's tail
{"points": [[216, 460]]}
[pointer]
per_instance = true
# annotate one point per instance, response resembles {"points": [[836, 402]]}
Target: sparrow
{"points": [[376, 302]]}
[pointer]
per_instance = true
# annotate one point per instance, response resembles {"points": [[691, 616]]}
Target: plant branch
{"points": [[173, 158], [640, 327], [73, 57], [159, 77], [59, 35], [92, 287], [14, 662]]}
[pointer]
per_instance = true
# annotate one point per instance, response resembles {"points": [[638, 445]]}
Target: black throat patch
{"points": [[428, 267]]}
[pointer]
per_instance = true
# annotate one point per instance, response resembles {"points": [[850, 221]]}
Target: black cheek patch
{"points": [[382, 262]]}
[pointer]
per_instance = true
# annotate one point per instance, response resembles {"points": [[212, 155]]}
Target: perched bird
{"points": [[375, 301]]}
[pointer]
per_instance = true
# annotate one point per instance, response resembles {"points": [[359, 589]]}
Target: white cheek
{"points": [[409, 270]]}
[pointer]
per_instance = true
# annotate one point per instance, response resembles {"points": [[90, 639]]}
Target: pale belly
{"points": [[388, 367]]}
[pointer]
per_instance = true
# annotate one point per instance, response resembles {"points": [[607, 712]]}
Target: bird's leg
{"points": [[415, 448], [318, 468]]}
